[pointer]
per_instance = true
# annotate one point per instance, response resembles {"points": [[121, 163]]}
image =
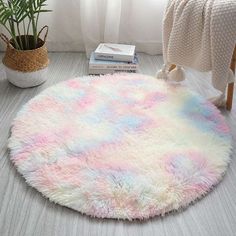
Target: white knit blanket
{"points": [[201, 34]]}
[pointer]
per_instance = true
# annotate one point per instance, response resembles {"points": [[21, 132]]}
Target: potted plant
{"points": [[26, 58]]}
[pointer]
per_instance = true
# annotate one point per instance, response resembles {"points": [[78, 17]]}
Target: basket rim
{"points": [[28, 50]]}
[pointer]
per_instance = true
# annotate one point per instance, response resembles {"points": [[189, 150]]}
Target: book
{"points": [[115, 52], [109, 67], [108, 71]]}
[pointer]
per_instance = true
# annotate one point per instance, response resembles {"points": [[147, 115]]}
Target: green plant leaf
{"points": [[16, 12]]}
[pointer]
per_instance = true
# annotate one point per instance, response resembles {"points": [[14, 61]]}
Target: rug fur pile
{"points": [[120, 146]]}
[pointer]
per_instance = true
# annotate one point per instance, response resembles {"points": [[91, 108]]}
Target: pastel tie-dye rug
{"points": [[124, 146]]}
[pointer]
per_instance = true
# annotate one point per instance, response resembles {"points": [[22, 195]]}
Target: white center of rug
{"points": [[120, 146]]}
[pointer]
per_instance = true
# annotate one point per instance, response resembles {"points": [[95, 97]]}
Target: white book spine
{"points": [[113, 57], [108, 71], [118, 66]]}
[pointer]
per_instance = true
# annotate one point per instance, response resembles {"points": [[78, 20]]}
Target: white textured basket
{"points": [[26, 79]]}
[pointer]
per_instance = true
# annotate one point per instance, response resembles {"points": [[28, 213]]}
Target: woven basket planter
{"points": [[26, 68]]}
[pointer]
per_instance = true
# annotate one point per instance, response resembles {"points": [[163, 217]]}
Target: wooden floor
{"points": [[23, 211]]}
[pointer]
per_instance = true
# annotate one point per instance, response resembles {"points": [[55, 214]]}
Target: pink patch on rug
{"points": [[75, 84]]}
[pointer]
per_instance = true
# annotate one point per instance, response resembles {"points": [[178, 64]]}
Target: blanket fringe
{"points": [[177, 74], [162, 74], [218, 101], [231, 76]]}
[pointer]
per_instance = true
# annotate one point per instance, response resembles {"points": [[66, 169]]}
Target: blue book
{"points": [[102, 64], [97, 67]]}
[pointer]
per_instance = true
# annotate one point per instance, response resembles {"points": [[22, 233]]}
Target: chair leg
{"points": [[230, 95], [230, 92]]}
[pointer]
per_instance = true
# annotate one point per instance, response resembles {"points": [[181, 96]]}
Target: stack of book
{"points": [[110, 58]]}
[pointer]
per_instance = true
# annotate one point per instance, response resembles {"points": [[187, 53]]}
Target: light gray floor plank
{"points": [[24, 212]]}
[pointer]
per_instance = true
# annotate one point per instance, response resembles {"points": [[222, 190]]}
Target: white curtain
{"points": [[128, 21], [79, 25]]}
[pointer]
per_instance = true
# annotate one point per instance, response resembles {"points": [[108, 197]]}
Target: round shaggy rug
{"points": [[124, 146]]}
